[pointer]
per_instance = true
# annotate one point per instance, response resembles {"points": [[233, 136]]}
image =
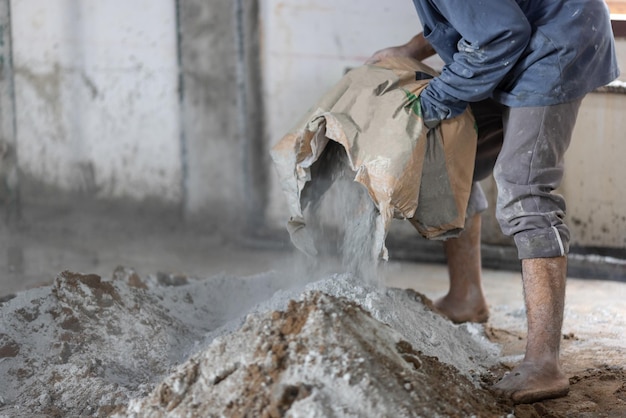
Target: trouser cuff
{"points": [[541, 243]]}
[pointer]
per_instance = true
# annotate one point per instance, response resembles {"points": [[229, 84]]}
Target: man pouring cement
{"points": [[523, 66]]}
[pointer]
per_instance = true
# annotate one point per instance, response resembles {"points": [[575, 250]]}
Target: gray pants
{"points": [[524, 148]]}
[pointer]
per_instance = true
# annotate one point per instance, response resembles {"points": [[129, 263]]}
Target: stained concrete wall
{"points": [[595, 173], [96, 96], [139, 100]]}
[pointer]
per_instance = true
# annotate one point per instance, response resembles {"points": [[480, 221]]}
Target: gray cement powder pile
{"points": [[168, 346], [329, 354]]}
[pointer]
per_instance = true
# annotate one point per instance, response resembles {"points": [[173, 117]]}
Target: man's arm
{"points": [[493, 37], [418, 48]]}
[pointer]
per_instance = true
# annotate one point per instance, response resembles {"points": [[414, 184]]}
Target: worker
{"points": [[523, 67]]}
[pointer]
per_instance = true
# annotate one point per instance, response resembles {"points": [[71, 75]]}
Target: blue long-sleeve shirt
{"points": [[518, 52]]}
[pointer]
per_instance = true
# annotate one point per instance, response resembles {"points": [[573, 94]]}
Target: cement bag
{"points": [[409, 171]]}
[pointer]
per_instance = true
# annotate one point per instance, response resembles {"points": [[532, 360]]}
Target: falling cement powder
{"points": [[341, 216]]}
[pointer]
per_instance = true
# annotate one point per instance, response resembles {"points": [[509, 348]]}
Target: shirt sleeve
{"points": [[494, 35]]}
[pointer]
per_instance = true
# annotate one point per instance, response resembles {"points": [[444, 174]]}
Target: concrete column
{"points": [[9, 179], [255, 156], [221, 113], [208, 62]]}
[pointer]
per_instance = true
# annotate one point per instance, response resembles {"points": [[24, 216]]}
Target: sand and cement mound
{"points": [[228, 346], [324, 356]]}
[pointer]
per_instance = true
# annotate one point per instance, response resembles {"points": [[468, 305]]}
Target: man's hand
{"points": [[394, 51], [418, 48]]}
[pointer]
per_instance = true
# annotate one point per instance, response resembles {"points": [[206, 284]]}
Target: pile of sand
{"points": [[92, 347]]}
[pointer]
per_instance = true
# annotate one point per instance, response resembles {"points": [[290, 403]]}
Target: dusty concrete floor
{"points": [[47, 241]]}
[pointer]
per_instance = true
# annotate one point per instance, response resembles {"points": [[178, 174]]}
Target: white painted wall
{"points": [[96, 96]]}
